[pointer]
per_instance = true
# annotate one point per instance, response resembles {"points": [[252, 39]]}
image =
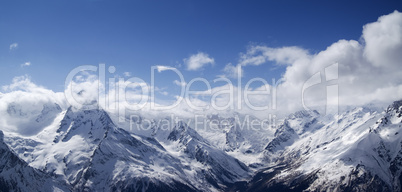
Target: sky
{"points": [[42, 42], [57, 36]]}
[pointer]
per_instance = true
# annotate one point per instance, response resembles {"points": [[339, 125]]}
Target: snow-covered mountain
{"points": [[16, 175], [242, 136], [215, 165], [84, 150], [360, 150]]}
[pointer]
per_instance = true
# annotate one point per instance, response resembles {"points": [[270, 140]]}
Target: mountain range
{"points": [[87, 150]]}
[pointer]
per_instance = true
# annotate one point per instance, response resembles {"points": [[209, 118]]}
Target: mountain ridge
{"points": [[84, 150]]}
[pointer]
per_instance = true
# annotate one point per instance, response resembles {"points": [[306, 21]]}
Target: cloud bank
{"points": [[22, 104], [369, 70]]}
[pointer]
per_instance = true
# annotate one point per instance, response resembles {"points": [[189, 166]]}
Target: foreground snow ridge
{"points": [[85, 150]]}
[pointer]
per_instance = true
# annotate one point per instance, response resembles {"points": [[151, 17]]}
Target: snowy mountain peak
{"points": [[49, 111], [14, 109], [304, 114], [184, 133], [304, 121], [92, 124], [395, 106], [29, 120], [392, 115]]}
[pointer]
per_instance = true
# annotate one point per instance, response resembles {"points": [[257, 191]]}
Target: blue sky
{"points": [[54, 37]]}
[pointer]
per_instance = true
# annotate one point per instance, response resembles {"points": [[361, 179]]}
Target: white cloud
{"points": [[13, 46], [161, 68], [233, 71], [83, 90], [367, 72], [257, 55], [127, 74], [384, 41], [26, 64], [179, 83], [22, 103], [198, 61]]}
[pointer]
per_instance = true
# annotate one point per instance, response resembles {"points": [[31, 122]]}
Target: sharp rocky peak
{"points": [[183, 132], [90, 123], [304, 114], [395, 106]]}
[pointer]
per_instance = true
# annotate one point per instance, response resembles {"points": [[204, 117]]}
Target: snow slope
{"points": [[16, 175]]}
